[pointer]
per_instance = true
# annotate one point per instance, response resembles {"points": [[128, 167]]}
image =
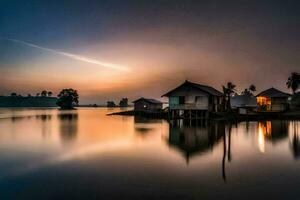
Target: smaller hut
{"points": [[147, 105], [272, 100]]}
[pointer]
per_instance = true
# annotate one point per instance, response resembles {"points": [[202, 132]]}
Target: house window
{"points": [[181, 100], [264, 102], [173, 101]]}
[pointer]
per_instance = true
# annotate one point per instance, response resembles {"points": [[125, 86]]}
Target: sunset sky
{"points": [[116, 48]]}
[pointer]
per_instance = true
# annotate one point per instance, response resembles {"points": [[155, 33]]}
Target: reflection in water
{"points": [[273, 131], [108, 152], [68, 126], [225, 151], [194, 137], [224, 158], [145, 125], [295, 138], [44, 117], [46, 125]]}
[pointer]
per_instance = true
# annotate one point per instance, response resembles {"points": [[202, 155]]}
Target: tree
{"points": [[13, 94], [111, 104], [246, 92], [44, 93], [252, 88], [37, 94], [123, 102], [67, 98], [228, 90], [293, 81], [49, 93], [249, 91]]}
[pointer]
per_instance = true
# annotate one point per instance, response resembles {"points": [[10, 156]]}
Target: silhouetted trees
{"points": [[252, 88], [13, 94], [249, 91], [123, 102], [293, 81], [228, 91], [44, 93], [67, 98], [111, 104]]}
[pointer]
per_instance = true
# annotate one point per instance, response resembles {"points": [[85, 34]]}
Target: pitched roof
{"points": [[154, 101], [205, 88], [273, 92]]}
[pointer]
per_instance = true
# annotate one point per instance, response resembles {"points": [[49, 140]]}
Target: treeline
{"points": [[123, 103], [44, 93], [28, 101]]}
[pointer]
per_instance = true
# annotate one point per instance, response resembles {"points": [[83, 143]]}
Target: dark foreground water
{"points": [[84, 154]]}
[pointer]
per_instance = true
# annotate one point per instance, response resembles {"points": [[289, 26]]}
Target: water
{"points": [[85, 154]]}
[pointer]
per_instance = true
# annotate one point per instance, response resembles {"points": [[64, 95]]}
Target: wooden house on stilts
{"points": [[193, 101]]}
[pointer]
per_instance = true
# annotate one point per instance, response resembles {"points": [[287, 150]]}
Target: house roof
{"points": [[243, 101], [153, 101], [273, 92], [208, 89]]}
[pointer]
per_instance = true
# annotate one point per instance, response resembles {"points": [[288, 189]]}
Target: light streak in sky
{"points": [[74, 56]]}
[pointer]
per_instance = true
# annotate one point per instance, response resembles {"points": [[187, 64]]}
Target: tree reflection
{"points": [[68, 126], [46, 126], [225, 152], [224, 158], [295, 139]]}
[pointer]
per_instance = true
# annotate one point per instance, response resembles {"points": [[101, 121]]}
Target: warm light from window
{"points": [[263, 101]]}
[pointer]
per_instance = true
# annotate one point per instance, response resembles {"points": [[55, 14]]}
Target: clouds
{"points": [[75, 57]]}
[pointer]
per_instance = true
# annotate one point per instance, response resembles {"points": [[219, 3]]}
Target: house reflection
{"points": [[68, 126], [273, 131], [194, 137]]}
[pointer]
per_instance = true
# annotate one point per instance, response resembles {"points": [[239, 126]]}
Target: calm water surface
{"points": [[85, 154]]}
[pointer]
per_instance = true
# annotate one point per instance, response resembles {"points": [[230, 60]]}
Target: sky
{"points": [[109, 49]]}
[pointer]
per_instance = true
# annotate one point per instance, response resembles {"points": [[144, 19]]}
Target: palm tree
{"points": [[252, 88], [49, 93], [228, 90], [293, 81], [246, 92], [249, 91]]}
